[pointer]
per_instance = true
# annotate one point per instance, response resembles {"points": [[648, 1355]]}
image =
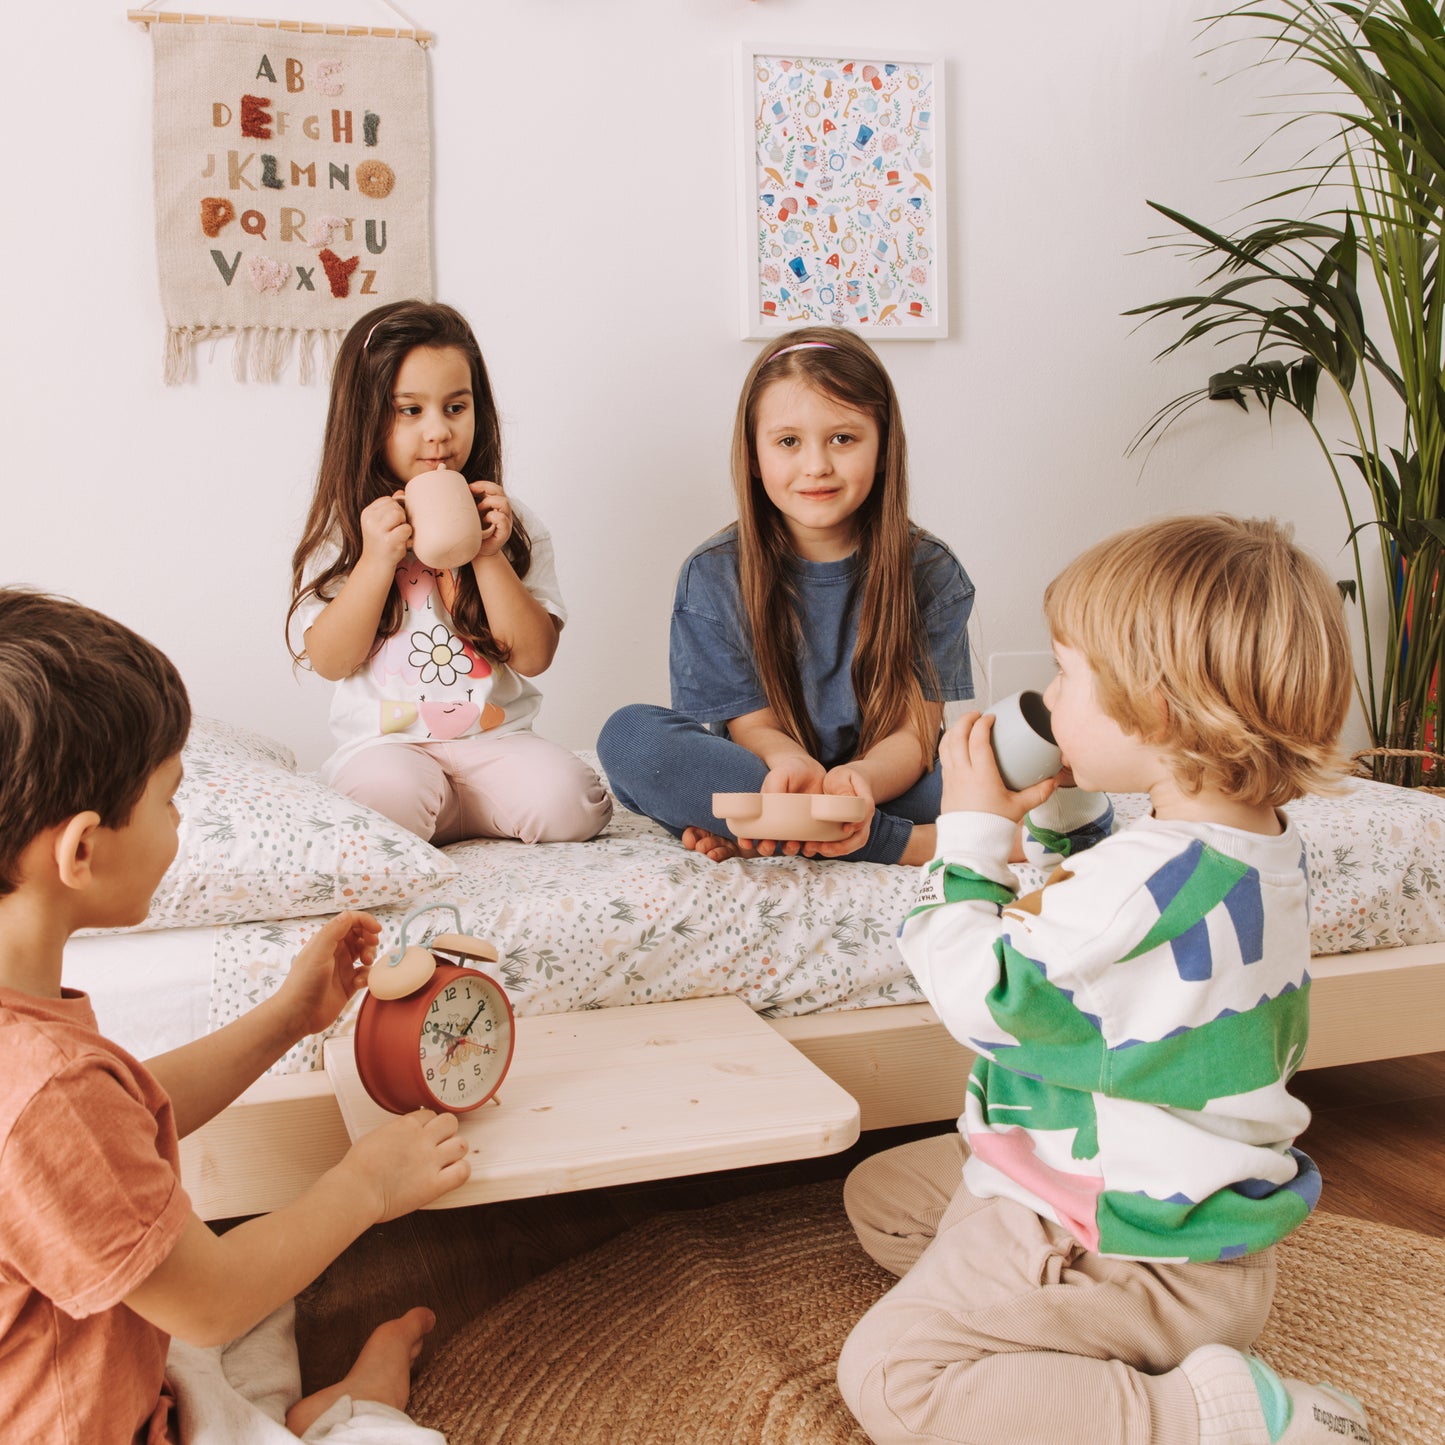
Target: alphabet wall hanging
{"points": [[292, 181]]}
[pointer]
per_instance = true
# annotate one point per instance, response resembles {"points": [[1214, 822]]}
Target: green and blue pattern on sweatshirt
{"points": [[1138, 1025]]}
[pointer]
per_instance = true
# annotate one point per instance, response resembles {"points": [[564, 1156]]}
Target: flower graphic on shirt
{"points": [[439, 654]]}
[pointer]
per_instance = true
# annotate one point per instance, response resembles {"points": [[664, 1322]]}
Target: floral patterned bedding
{"points": [[633, 918]]}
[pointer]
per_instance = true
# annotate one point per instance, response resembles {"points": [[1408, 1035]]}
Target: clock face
{"points": [[466, 1041]]}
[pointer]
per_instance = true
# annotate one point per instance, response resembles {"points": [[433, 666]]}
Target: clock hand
{"points": [[457, 1040], [453, 1041], [468, 1027]]}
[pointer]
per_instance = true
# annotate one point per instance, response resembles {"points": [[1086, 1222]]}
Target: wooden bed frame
{"points": [[899, 1063]]}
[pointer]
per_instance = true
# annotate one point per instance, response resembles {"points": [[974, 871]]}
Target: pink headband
{"points": [[370, 334], [802, 346]]}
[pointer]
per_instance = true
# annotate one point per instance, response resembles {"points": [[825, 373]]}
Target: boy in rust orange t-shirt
{"points": [[102, 1259]]}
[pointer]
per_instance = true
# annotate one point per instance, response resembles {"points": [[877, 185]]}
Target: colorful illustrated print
{"points": [[416, 582], [845, 192], [391, 660], [434, 657], [397, 717], [440, 654], [444, 721], [447, 721]]}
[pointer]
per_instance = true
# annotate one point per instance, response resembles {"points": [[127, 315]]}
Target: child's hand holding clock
{"points": [[331, 967]]}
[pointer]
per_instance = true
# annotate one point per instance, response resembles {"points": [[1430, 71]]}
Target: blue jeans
{"points": [[666, 765]]}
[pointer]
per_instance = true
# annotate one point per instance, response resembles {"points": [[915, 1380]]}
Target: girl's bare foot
{"points": [[382, 1371], [716, 846]]}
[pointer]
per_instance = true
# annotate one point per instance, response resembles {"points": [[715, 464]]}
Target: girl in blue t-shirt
{"points": [[814, 641]]}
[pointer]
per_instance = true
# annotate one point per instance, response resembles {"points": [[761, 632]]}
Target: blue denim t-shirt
{"points": [[714, 678]]}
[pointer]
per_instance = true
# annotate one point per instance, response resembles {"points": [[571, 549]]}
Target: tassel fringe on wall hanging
{"points": [[293, 185]]}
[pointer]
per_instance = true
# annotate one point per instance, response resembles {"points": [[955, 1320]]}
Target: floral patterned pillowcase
{"points": [[260, 841]]}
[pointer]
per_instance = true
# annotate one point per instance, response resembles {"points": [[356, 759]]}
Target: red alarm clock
{"points": [[432, 1033]]}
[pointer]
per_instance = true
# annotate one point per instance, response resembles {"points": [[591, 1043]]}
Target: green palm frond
{"points": [[1285, 293]]}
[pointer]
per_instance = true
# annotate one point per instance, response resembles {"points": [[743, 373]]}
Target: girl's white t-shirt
{"points": [[424, 683]]}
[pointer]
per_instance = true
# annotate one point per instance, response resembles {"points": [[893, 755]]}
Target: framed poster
{"points": [[841, 192]]}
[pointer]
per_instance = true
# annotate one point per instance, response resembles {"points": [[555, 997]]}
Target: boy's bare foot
{"points": [[716, 846], [382, 1371]]}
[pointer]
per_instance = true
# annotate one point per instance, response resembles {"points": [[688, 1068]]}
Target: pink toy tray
{"points": [[789, 817]]}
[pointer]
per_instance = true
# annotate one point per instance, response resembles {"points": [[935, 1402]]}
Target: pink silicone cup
{"points": [[446, 527]]}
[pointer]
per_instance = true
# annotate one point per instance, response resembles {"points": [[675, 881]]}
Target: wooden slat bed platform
{"points": [[899, 1063]]}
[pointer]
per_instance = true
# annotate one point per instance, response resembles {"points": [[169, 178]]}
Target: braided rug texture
{"points": [[722, 1326]]}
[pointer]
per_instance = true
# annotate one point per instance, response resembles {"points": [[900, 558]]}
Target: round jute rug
{"points": [[722, 1326]]}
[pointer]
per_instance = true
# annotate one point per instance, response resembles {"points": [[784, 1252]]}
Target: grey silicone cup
{"points": [[1023, 741]]}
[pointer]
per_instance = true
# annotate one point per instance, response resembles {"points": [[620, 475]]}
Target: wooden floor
{"points": [[1378, 1136]]}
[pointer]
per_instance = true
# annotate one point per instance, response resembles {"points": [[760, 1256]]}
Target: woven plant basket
{"points": [[1362, 759], [722, 1326]]}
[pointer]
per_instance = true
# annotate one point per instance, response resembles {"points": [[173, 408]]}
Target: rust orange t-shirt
{"points": [[90, 1203]]}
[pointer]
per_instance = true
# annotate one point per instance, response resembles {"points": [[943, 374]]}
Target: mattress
{"points": [[631, 917]]}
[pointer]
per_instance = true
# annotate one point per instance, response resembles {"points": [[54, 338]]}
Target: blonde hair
{"points": [[1220, 641], [892, 672]]}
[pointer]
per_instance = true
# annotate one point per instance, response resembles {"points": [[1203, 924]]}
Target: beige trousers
{"points": [[1004, 1329]]}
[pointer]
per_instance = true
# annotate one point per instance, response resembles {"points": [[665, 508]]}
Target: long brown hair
{"points": [[893, 672], [353, 460]]}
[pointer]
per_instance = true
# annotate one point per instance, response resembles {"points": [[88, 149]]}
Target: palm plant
{"points": [[1291, 289]]}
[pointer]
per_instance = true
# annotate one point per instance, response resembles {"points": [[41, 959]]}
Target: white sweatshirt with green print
{"points": [[1136, 1021]]}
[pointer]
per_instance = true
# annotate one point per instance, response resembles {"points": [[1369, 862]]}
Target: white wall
{"points": [[617, 359]]}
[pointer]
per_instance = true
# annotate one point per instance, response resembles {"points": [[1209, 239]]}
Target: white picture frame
{"points": [[841, 196]]}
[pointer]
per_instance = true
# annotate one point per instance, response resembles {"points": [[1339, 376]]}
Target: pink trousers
{"points": [[517, 785], [1004, 1329]]}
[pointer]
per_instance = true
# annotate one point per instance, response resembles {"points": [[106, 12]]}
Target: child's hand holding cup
{"points": [[1023, 741], [1001, 763]]}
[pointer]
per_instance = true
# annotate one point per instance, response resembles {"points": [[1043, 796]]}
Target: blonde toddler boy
{"points": [[1090, 1257]]}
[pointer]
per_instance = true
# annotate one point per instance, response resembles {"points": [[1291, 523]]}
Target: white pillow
{"points": [[261, 841]]}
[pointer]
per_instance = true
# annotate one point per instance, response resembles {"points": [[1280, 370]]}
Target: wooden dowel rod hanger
{"points": [[299, 27]]}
